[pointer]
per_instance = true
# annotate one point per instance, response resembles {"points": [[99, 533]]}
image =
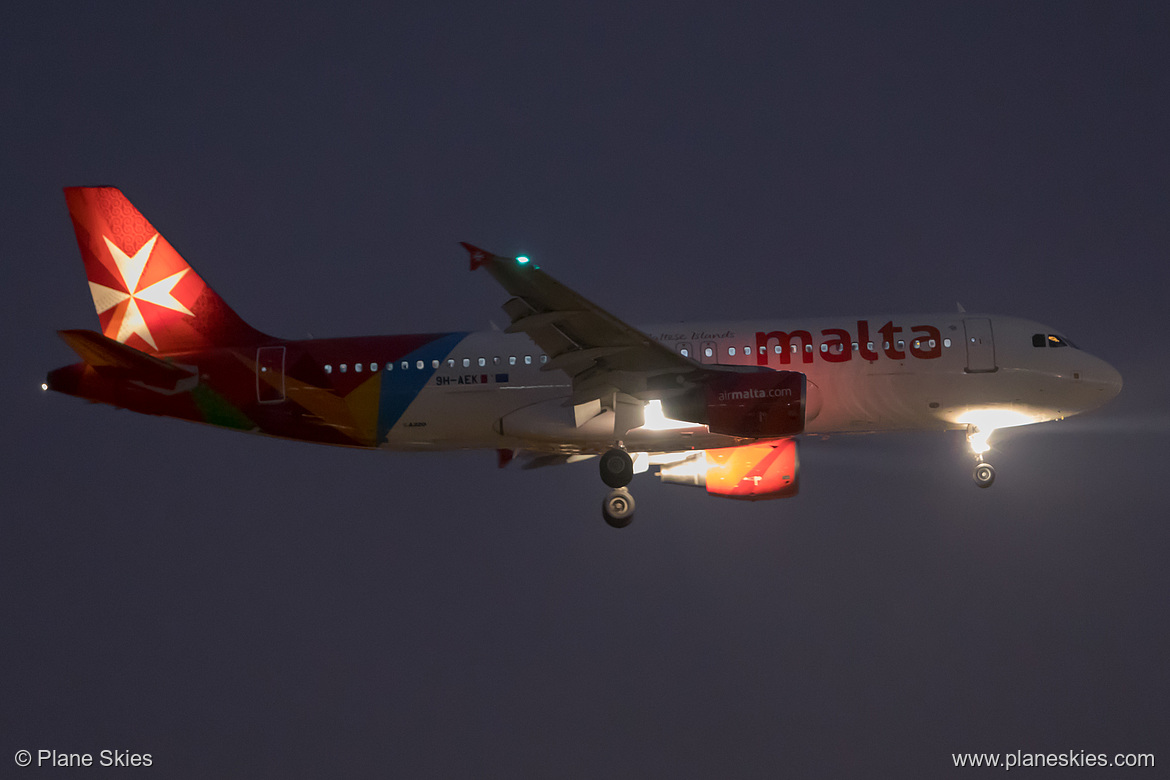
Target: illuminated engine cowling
{"points": [[754, 472], [764, 405]]}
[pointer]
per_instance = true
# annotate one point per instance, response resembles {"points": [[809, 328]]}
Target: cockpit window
{"points": [[1051, 340]]}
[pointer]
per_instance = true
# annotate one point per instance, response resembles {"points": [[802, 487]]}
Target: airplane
{"points": [[716, 405]]}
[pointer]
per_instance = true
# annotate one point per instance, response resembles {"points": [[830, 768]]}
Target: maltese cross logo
{"points": [[128, 316]]}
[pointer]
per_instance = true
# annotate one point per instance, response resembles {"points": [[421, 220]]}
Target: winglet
{"points": [[478, 256]]}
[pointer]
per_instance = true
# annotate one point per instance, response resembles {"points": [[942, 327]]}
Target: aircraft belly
{"points": [[873, 397], [551, 425], [441, 418]]}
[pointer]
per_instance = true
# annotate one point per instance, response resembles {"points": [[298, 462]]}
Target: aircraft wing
{"points": [[602, 354]]}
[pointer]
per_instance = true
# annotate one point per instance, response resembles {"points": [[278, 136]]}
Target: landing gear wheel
{"points": [[984, 475], [617, 468], [618, 508]]}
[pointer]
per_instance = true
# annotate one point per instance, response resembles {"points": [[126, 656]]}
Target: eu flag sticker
{"points": [[500, 378]]}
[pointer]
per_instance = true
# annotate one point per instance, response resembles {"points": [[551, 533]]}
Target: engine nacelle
{"points": [[753, 472], [763, 405]]}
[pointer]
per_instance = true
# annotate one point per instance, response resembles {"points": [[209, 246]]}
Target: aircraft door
{"points": [[270, 375], [980, 346], [708, 353]]}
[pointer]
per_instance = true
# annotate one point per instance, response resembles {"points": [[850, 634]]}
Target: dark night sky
{"points": [[236, 605]]}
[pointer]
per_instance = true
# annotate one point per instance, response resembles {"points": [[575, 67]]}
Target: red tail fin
{"points": [[146, 295]]}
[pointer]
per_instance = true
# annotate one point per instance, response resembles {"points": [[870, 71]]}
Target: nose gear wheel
{"points": [[984, 474]]}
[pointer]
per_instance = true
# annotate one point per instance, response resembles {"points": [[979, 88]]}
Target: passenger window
{"points": [[511, 360], [947, 343], [855, 346], [684, 352], [778, 349], [389, 366], [466, 362], [731, 351], [434, 364], [1038, 340], [824, 347], [342, 368], [528, 360], [747, 351], [328, 369], [901, 344], [932, 343], [482, 362], [450, 362], [869, 345], [807, 347], [373, 367], [544, 358], [419, 364], [357, 368], [707, 351], [496, 360]]}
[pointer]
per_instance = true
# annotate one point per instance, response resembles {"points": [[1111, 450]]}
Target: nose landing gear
{"points": [[984, 472]]}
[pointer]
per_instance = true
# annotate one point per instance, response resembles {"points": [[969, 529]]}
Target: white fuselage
{"points": [[877, 373]]}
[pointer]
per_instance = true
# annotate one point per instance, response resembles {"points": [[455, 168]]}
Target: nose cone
{"points": [[1113, 382], [1104, 380]]}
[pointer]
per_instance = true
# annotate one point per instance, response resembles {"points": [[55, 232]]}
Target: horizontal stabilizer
{"points": [[114, 358]]}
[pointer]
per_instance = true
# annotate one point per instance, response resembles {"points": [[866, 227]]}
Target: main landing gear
{"points": [[618, 508], [617, 469]]}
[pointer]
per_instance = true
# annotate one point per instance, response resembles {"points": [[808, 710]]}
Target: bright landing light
{"points": [[656, 420], [44, 385], [521, 259], [985, 423]]}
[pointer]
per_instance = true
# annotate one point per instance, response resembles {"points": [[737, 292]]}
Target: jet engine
{"points": [[753, 472], [757, 405]]}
